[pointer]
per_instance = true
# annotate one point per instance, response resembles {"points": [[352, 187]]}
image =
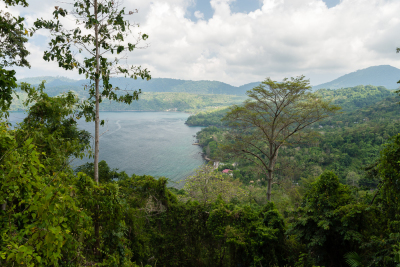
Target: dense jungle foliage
{"points": [[334, 200], [326, 211]]}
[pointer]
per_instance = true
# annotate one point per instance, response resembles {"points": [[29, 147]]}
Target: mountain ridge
{"points": [[156, 85], [383, 75]]}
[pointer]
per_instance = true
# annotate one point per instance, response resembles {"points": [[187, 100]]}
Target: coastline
{"points": [[205, 157], [130, 110]]}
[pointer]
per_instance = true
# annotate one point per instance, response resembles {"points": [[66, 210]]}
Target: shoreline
{"points": [[186, 112]]}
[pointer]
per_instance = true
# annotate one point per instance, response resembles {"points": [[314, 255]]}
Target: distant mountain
{"points": [[56, 85], [50, 80], [383, 75], [248, 86]]}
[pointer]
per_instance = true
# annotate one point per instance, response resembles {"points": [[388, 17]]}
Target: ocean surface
{"points": [[152, 143]]}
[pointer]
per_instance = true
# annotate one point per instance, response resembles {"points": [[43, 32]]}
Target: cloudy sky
{"points": [[242, 41]]}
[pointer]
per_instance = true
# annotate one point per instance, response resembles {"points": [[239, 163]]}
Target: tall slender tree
{"points": [[101, 32], [276, 114]]}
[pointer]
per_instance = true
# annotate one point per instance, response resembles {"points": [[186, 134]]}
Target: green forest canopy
{"points": [[50, 211], [325, 212]]}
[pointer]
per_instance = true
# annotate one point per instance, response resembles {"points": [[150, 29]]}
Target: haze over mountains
{"points": [[383, 75], [56, 85]]}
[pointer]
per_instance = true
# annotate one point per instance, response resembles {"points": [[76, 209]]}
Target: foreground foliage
{"points": [[52, 215]]}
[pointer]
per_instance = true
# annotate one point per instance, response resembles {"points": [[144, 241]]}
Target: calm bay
{"points": [[152, 143]]}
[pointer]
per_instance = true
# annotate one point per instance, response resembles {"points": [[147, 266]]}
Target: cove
{"points": [[151, 143]]}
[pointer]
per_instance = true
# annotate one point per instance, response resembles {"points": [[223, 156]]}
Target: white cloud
{"points": [[283, 38], [198, 15]]}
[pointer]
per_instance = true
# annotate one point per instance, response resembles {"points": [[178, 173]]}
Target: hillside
{"points": [[383, 75], [370, 101], [174, 102], [356, 97], [346, 143]]}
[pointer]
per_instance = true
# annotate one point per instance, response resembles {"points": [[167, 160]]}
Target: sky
{"points": [[243, 41]]}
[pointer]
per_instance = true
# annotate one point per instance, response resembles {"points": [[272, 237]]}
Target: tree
{"points": [[39, 217], [12, 52], [388, 169], [52, 123], [106, 174], [104, 33], [207, 184], [277, 114], [330, 222], [352, 178]]}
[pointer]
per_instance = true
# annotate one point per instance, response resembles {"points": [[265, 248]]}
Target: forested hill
{"points": [[383, 75], [353, 98], [57, 85], [347, 142], [357, 103]]}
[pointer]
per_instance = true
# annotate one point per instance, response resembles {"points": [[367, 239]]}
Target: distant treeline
{"points": [[183, 102]]}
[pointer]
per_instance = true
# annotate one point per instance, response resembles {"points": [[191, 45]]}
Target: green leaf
{"points": [[29, 141]]}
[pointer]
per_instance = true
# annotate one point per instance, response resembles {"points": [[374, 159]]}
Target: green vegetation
{"points": [[174, 102], [105, 32], [322, 186], [276, 114], [346, 142], [333, 201], [357, 97], [208, 118], [12, 53], [357, 103], [52, 215]]}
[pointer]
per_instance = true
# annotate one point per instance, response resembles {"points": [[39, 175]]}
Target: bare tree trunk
{"points": [[270, 170], [269, 180], [97, 118], [3, 206], [270, 174], [97, 130]]}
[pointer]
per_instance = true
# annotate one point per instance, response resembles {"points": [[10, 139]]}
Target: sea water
{"points": [[151, 143]]}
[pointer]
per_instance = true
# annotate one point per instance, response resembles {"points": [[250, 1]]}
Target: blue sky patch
{"points": [[243, 6]]}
